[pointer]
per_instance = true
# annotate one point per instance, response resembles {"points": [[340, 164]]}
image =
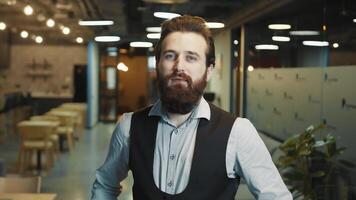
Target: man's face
{"points": [[182, 71]]}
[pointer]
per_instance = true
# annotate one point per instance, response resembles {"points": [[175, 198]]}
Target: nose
{"points": [[179, 65]]}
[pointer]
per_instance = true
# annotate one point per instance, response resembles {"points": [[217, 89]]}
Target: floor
{"points": [[73, 173]]}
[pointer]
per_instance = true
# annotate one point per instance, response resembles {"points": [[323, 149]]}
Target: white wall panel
{"points": [[339, 106], [283, 102]]}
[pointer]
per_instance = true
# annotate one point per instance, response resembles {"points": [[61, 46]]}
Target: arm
{"points": [[254, 164], [114, 170]]}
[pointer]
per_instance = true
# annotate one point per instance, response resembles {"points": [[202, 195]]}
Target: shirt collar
{"points": [[201, 111]]}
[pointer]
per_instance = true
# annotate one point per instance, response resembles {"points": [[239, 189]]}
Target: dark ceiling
{"points": [[131, 17]]}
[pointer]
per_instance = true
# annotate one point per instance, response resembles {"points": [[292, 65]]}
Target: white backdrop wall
{"points": [[283, 102]]}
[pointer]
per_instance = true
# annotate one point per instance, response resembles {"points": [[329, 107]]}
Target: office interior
{"points": [[288, 66]]}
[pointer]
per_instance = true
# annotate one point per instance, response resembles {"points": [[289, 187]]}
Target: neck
{"points": [[178, 119]]}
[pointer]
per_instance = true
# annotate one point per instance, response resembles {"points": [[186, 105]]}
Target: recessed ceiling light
{"points": [[50, 22], [24, 34], [336, 45], [165, 15], [279, 26], [236, 42], [153, 35], [39, 39], [215, 25], [316, 43], [354, 20], [66, 30], [304, 33], [266, 47], [153, 29], [121, 66], [141, 44], [79, 40], [28, 10], [107, 38], [96, 22], [250, 68], [2, 26], [281, 38]]}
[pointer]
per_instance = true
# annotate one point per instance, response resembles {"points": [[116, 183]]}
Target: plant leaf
{"points": [[318, 174]]}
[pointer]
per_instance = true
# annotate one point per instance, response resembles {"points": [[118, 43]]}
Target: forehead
{"points": [[185, 41]]}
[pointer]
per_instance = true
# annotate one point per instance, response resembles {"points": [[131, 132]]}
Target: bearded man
{"points": [[182, 147]]}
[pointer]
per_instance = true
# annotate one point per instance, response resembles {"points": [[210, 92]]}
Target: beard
{"points": [[178, 98]]}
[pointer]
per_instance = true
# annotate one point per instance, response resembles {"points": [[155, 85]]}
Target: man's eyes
{"points": [[169, 56], [191, 58], [173, 56]]}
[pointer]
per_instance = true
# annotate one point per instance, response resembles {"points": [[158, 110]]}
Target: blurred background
{"points": [[283, 64]]}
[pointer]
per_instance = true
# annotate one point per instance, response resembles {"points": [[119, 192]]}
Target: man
{"points": [[183, 148]]}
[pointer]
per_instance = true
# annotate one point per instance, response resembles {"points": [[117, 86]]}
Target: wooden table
{"points": [[27, 196], [38, 123]]}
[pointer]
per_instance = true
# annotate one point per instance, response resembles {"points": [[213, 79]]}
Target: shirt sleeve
{"points": [[115, 168], [255, 165]]}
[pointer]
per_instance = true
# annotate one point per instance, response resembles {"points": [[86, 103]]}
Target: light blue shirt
{"points": [[246, 156]]}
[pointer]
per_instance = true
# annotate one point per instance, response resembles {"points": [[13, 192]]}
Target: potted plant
{"points": [[309, 161]]}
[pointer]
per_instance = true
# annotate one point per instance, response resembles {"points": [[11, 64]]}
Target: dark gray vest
{"points": [[208, 179]]}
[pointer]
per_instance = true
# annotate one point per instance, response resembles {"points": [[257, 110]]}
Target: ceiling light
{"points": [[336, 45], [153, 29], [39, 39], [107, 38], [250, 68], [165, 15], [28, 10], [266, 47], [153, 35], [96, 23], [304, 33], [281, 38], [41, 17], [316, 43], [354, 20], [2, 26], [11, 2], [141, 44], [121, 66], [279, 26], [236, 42], [66, 30], [215, 25], [24, 34], [79, 40], [50, 22]]}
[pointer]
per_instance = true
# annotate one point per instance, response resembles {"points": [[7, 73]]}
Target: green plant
{"points": [[301, 155]]}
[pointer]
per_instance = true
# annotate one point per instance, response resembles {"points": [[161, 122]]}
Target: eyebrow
{"points": [[193, 53]]}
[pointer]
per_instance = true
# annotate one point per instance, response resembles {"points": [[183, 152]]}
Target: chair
{"points": [[67, 125], [20, 184], [53, 137], [35, 136]]}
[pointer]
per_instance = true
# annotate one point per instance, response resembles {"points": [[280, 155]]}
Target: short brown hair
{"points": [[188, 23]]}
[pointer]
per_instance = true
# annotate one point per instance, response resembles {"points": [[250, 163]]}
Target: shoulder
{"points": [[123, 125], [243, 126]]}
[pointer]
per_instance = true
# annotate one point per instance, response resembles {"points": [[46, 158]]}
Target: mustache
{"points": [[179, 75]]}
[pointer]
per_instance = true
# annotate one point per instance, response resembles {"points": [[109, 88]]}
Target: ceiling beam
{"points": [[253, 11]]}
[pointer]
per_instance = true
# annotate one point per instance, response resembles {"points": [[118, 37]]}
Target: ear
{"points": [[209, 72]]}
